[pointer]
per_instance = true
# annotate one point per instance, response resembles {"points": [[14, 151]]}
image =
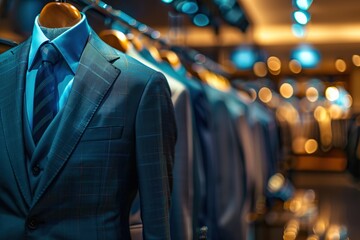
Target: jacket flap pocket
{"points": [[102, 133]]}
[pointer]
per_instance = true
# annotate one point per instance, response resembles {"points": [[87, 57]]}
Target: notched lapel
{"points": [[13, 70], [92, 81]]}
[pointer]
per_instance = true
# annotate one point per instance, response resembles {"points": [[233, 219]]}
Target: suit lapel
{"points": [[11, 106], [93, 79]]}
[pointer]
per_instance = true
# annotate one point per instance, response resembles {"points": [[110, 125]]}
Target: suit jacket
{"points": [[226, 173], [182, 191], [116, 134]]}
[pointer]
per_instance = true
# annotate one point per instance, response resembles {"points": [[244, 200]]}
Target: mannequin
{"points": [[114, 135], [59, 15]]}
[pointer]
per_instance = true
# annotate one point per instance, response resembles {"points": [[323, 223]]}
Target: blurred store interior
{"points": [[297, 60]]}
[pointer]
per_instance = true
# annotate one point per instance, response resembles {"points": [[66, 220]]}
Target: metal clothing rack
{"points": [[117, 15], [8, 42]]}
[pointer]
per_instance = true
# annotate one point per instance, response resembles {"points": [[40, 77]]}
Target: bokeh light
{"points": [[265, 94], [295, 66], [340, 65], [311, 146], [312, 94], [286, 90], [260, 69], [332, 94]]}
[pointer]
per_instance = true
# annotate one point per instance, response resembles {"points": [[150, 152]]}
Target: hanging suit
{"points": [[201, 142], [182, 192], [226, 182], [115, 134]]}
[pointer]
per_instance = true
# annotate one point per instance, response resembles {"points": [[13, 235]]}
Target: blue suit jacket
{"points": [[116, 134]]}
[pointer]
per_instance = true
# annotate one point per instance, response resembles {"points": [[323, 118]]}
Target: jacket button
{"points": [[32, 224], [36, 170]]}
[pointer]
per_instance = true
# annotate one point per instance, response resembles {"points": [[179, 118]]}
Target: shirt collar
{"points": [[70, 43]]}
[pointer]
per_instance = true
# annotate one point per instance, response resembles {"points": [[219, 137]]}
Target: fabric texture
{"points": [[115, 135], [182, 194], [45, 96]]}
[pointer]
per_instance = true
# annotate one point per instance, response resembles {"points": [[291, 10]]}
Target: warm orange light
{"points": [[340, 65], [289, 236], [320, 227], [320, 114], [293, 224], [286, 90], [260, 69], [332, 93], [274, 65], [312, 94], [333, 232], [313, 237], [295, 205], [311, 146], [276, 182], [291, 230], [356, 60], [295, 66], [265, 95]]}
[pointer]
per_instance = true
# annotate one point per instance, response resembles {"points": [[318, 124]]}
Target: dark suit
{"points": [[115, 134], [226, 182], [182, 191]]}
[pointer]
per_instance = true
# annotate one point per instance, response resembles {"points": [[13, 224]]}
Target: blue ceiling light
{"points": [[189, 7], [225, 5], [167, 1], [201, 20], [232, 13], [298, 30], [301, 17], [244, 57], [307, 56], [179, 5], [303, 4]]}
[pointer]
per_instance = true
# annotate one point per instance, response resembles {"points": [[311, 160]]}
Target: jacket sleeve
{"points": [[155, 141]]}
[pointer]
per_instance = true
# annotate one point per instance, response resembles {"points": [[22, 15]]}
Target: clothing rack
{"points": [[8, 42], [117, 15]]}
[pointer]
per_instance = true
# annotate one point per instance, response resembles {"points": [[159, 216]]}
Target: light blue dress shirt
{"points": [[70, 42]]}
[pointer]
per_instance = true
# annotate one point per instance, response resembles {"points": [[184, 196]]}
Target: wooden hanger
{"points": [[212, 79], [136, 42], [154, 52], [170, 57], [59, 15], [115, 39]]}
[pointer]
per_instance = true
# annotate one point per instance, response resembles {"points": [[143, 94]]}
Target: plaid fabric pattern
{"points": [[115, 135]]}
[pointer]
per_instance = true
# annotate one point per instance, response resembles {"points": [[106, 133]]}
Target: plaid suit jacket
{"points": [[116, 134]]}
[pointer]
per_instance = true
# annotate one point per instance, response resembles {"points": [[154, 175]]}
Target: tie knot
{"points": [[49, 53]]}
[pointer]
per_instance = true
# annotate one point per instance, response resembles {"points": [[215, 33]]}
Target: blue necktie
{"points": [[46, 95]]}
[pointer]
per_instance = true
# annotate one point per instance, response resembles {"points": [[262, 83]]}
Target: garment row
{"points": [[227, 145], [227, 148]]}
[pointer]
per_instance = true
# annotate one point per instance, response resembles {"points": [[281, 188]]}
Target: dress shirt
{"points": [[70, 42]]}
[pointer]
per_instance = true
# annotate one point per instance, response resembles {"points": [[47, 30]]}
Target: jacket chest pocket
{"points": [[102, 133]]}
